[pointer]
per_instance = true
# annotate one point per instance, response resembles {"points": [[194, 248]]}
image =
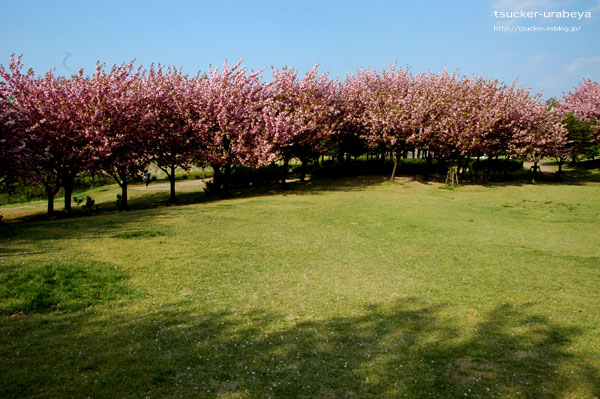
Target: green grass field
{"points": [[356, 288]]}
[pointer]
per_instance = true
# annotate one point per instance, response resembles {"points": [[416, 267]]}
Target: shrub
{"points": [[243, 176], [332, 169], [497, 165], [90, 203]]}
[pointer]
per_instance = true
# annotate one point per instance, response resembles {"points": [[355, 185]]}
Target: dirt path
{"points": [[180, 185], [545, 168]]}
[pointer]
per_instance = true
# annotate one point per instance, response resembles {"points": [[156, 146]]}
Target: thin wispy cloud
{"points": [[582, 62], [535, 61], [528, 5], [595, 9]]}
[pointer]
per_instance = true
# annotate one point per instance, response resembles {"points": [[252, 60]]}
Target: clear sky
{"points": [[339, 35]]}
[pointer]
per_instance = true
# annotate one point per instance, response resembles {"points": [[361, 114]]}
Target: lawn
{"points": [[356, 288]]}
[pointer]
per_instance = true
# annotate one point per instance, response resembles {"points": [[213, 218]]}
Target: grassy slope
{"points": [[358, 288]]}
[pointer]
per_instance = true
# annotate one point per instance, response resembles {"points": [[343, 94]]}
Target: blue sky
{"points": [[339, 35]]}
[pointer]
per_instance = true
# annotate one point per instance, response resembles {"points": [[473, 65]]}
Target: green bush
{"points": [[361, 167], [497, 165], [243, 176]]}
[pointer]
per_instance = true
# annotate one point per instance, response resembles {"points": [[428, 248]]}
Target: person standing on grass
{"points": [[146, 178]]}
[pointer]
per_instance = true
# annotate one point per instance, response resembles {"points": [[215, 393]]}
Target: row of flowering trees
{"points": [[118, 121]]}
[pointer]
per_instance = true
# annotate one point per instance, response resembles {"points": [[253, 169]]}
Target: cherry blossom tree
{"points": [[19, 92], [499, 110], [49, 113], [299, 115], [536, 130], [71, 107], [226, 118], [351, 134], [469, 116], [171, 141], [119, 122], [13, 162], [394, 109]]}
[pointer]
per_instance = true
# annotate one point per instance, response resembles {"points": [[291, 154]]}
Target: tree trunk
{"points": [[459, 164], [303, 169], [286, 163], [68, 183], [50, 203], [226, 179], [558, 173], [395, 158], [217, 179], [68, 194], [120, 177], [51, 192], [172, 181], [560, 164], [534, 171], [488, 169], [124, 204]]}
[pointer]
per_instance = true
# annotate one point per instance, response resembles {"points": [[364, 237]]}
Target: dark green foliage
{"points": [[585, 170], [497, 165], [19, 190], [64, 286], [581, 139], [358, 167], [22, 190], [243, 176], [420, 166]]}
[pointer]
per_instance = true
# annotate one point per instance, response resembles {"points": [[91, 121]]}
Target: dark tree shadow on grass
{"points": [[405, 350], [133, 224], [158, 200]]}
